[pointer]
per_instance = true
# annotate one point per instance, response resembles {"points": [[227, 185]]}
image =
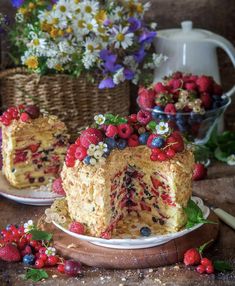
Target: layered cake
{"points": [[126, 169], [33, 146]]}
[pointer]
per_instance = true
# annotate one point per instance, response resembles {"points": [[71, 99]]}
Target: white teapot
{"points": [[191, 50]]}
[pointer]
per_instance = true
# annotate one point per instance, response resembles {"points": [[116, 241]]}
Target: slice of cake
{"points": [[132, 170], [33, 146]]}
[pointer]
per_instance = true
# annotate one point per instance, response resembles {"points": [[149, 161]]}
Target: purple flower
{"points": [[106, 83], [139, 55], [106, 55], [17, 3], [147, 36], [135, 24], [111, 67], [129, 74], [107, 22]]}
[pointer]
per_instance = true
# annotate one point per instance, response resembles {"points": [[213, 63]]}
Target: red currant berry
{"points": [[70, 161], [201, 269], [33, 243], [153, 157], [29, 237], [42, 249], [43, 256], [52, 260], [21, 230], [133, 141], [170, 153], [156, 151], [72, 149], [162, 156], [39, 263], [28, 249], [60, 268], [210, 269], [24, 117], [205, 261], [133, 118], [81, 153]]}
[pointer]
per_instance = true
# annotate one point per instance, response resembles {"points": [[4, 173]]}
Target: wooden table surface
{"points": [[218, 189]]}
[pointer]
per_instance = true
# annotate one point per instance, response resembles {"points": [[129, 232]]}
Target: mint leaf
{"points": [[219, 155], [194, 215], [114, 119], [222, 266], [36, 274], [152, 125], [40, 235]]}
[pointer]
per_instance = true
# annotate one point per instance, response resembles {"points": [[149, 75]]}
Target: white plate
{"points": [[29, 196], [142, 242]]}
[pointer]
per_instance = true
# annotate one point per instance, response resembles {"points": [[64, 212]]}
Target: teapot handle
{"points": [[229, 49]]}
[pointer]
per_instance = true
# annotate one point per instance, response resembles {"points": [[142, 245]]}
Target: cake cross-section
{"points": [[33, 146]]}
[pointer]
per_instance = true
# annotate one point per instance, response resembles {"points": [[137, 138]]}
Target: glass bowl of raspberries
{"points": [[192, 104]]}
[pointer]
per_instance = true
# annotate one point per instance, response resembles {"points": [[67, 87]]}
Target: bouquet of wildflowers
{"points": [[108, 38]]}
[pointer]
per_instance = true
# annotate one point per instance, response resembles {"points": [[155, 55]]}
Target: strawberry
{"points": [[217, 89], [90, 136], [10, 253], [159, 88], [199, 172], [192, 257], [170, 108], [206, 100], [57, 187], [77, 227], [204, 83], [145, 102], [190, 86], [177, 75]]}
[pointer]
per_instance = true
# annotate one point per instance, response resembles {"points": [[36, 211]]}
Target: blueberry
{"points": [[121, 144], [110, 142], [145, 231], [107, 153], [158, 142], [157, 111], [29, 259], [8, 227], [171, 117], [87, 160], [144, 138], [162, 117], [41, 179]]}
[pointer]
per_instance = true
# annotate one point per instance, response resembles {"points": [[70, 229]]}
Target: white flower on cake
{"points": [[91, 149], [122, 38], [103, 146], [162, 128], [93, 161], [98, 154], [28, 226], [99, 119], [50, 251], [231, 160]]}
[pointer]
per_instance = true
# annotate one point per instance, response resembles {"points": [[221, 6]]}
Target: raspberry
{"points": [[81, 153], [133, 141], [162, 156], [90, 136], [111, 131], [199, 172], [210, 269], [24, 117], [72, 149], [77, 227], [78, 142], [217, 89], [170, 108], [144, 117], [124, 130], [145, 98], [70, 161], [159, 88], [205, 261], [204, 83], [206, 100], [191, 86], [201, 269], [60, 268], [39, 263], [192, 257], [57, 187], [7, 115], [170, 153], [175, 83]]}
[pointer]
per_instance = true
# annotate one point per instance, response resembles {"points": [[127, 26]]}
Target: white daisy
{"points": [[89, 60], [89, 7], [62, 9], [122, 38], [116, 14], [130, 62], [19, 17], [92, 46], [66, 47], [119, 76], [50, 251], [99, 119], [102, 146], [28, 226], [162, 128], [37, 43], [231, 160]]}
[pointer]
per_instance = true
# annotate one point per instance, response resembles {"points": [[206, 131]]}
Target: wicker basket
{"points": [[73, 100]]}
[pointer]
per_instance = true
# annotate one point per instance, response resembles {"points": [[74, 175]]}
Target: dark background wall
{"points": [[215, 15]]}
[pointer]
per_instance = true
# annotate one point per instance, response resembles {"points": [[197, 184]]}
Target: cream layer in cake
{"points": [[33, 151], [156, 192]]}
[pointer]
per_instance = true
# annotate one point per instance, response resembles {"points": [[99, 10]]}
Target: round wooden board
{"points": [[165, 254]]}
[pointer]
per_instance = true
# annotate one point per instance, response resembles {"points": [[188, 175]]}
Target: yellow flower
{"points": [[31, 62], [36, 42], [55, 21], [139, 8], [77, 1], [101, 16], [60, 32], [54, 32], [31, 6], [69, 30], [45, 27], [23, 10], [59, 67]]}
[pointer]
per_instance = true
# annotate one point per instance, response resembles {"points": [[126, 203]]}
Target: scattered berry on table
{"points": [[192, 257], [205, 261], [72, 268], [29, 259], [201, 269], [199, 172]]}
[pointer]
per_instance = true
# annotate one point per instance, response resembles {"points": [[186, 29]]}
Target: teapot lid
{"points": [[185, 33]]}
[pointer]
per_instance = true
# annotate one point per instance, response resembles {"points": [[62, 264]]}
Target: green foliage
{"points": [[114, 119], [40, 235], [36, 274], [222, 266]]}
